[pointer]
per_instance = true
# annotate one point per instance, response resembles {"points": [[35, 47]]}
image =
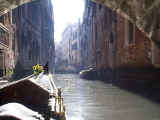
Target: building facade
{"points": [[7, 44], [111, 41], [111, 44], [35, 35], [27, 38]]}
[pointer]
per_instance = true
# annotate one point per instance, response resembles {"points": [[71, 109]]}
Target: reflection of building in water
{"points": [[7, 44]]}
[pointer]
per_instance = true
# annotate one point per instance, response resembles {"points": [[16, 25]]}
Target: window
{"points": [[100, 6], [96, 34], [131, 33], [13, 41], [110, 15], [30, 55], [2, 19], [111, 38], [74, 46]]}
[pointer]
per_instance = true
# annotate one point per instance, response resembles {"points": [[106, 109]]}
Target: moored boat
{"points": [[89, 74], [37, 94]]}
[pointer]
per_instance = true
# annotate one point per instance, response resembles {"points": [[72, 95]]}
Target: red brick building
{"points": [[132, 46], [112, 41]]}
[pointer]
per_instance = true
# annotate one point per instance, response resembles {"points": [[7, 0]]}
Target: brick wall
{"points": [[136, 53]]}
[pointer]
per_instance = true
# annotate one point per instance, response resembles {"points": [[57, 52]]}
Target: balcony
{"points": [[4, 36]]}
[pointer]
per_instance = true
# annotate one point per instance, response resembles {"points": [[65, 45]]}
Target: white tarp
{"points": [[16, 110]]}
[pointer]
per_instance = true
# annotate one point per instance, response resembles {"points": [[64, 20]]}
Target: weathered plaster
{"points": [[144, 13]]}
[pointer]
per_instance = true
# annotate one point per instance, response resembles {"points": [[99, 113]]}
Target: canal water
{"points": [[96, 100]]}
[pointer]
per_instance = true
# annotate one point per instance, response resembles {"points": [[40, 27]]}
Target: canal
{"points": [[96, 100]]}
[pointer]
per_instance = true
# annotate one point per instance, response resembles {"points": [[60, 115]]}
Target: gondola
{"points": [[31, 98]]}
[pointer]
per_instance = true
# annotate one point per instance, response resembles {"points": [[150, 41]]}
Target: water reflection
{"points": [[94, 100]]}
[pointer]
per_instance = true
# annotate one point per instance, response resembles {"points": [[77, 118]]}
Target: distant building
{"points": [[68, 50], [75, 46]]}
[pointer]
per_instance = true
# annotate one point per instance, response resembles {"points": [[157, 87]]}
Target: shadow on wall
{"points": [[20, 72], [144, 82]]}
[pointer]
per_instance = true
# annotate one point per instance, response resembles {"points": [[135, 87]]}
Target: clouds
{"points": [[66, 12]]}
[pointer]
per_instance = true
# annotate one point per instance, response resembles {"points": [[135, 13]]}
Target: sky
{"points": [[66, 12]]}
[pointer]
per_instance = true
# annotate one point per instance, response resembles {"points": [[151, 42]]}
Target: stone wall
{"points": [[35, 35]]}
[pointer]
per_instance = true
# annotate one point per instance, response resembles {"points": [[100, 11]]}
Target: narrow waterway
{"points": [[96, 100]]}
